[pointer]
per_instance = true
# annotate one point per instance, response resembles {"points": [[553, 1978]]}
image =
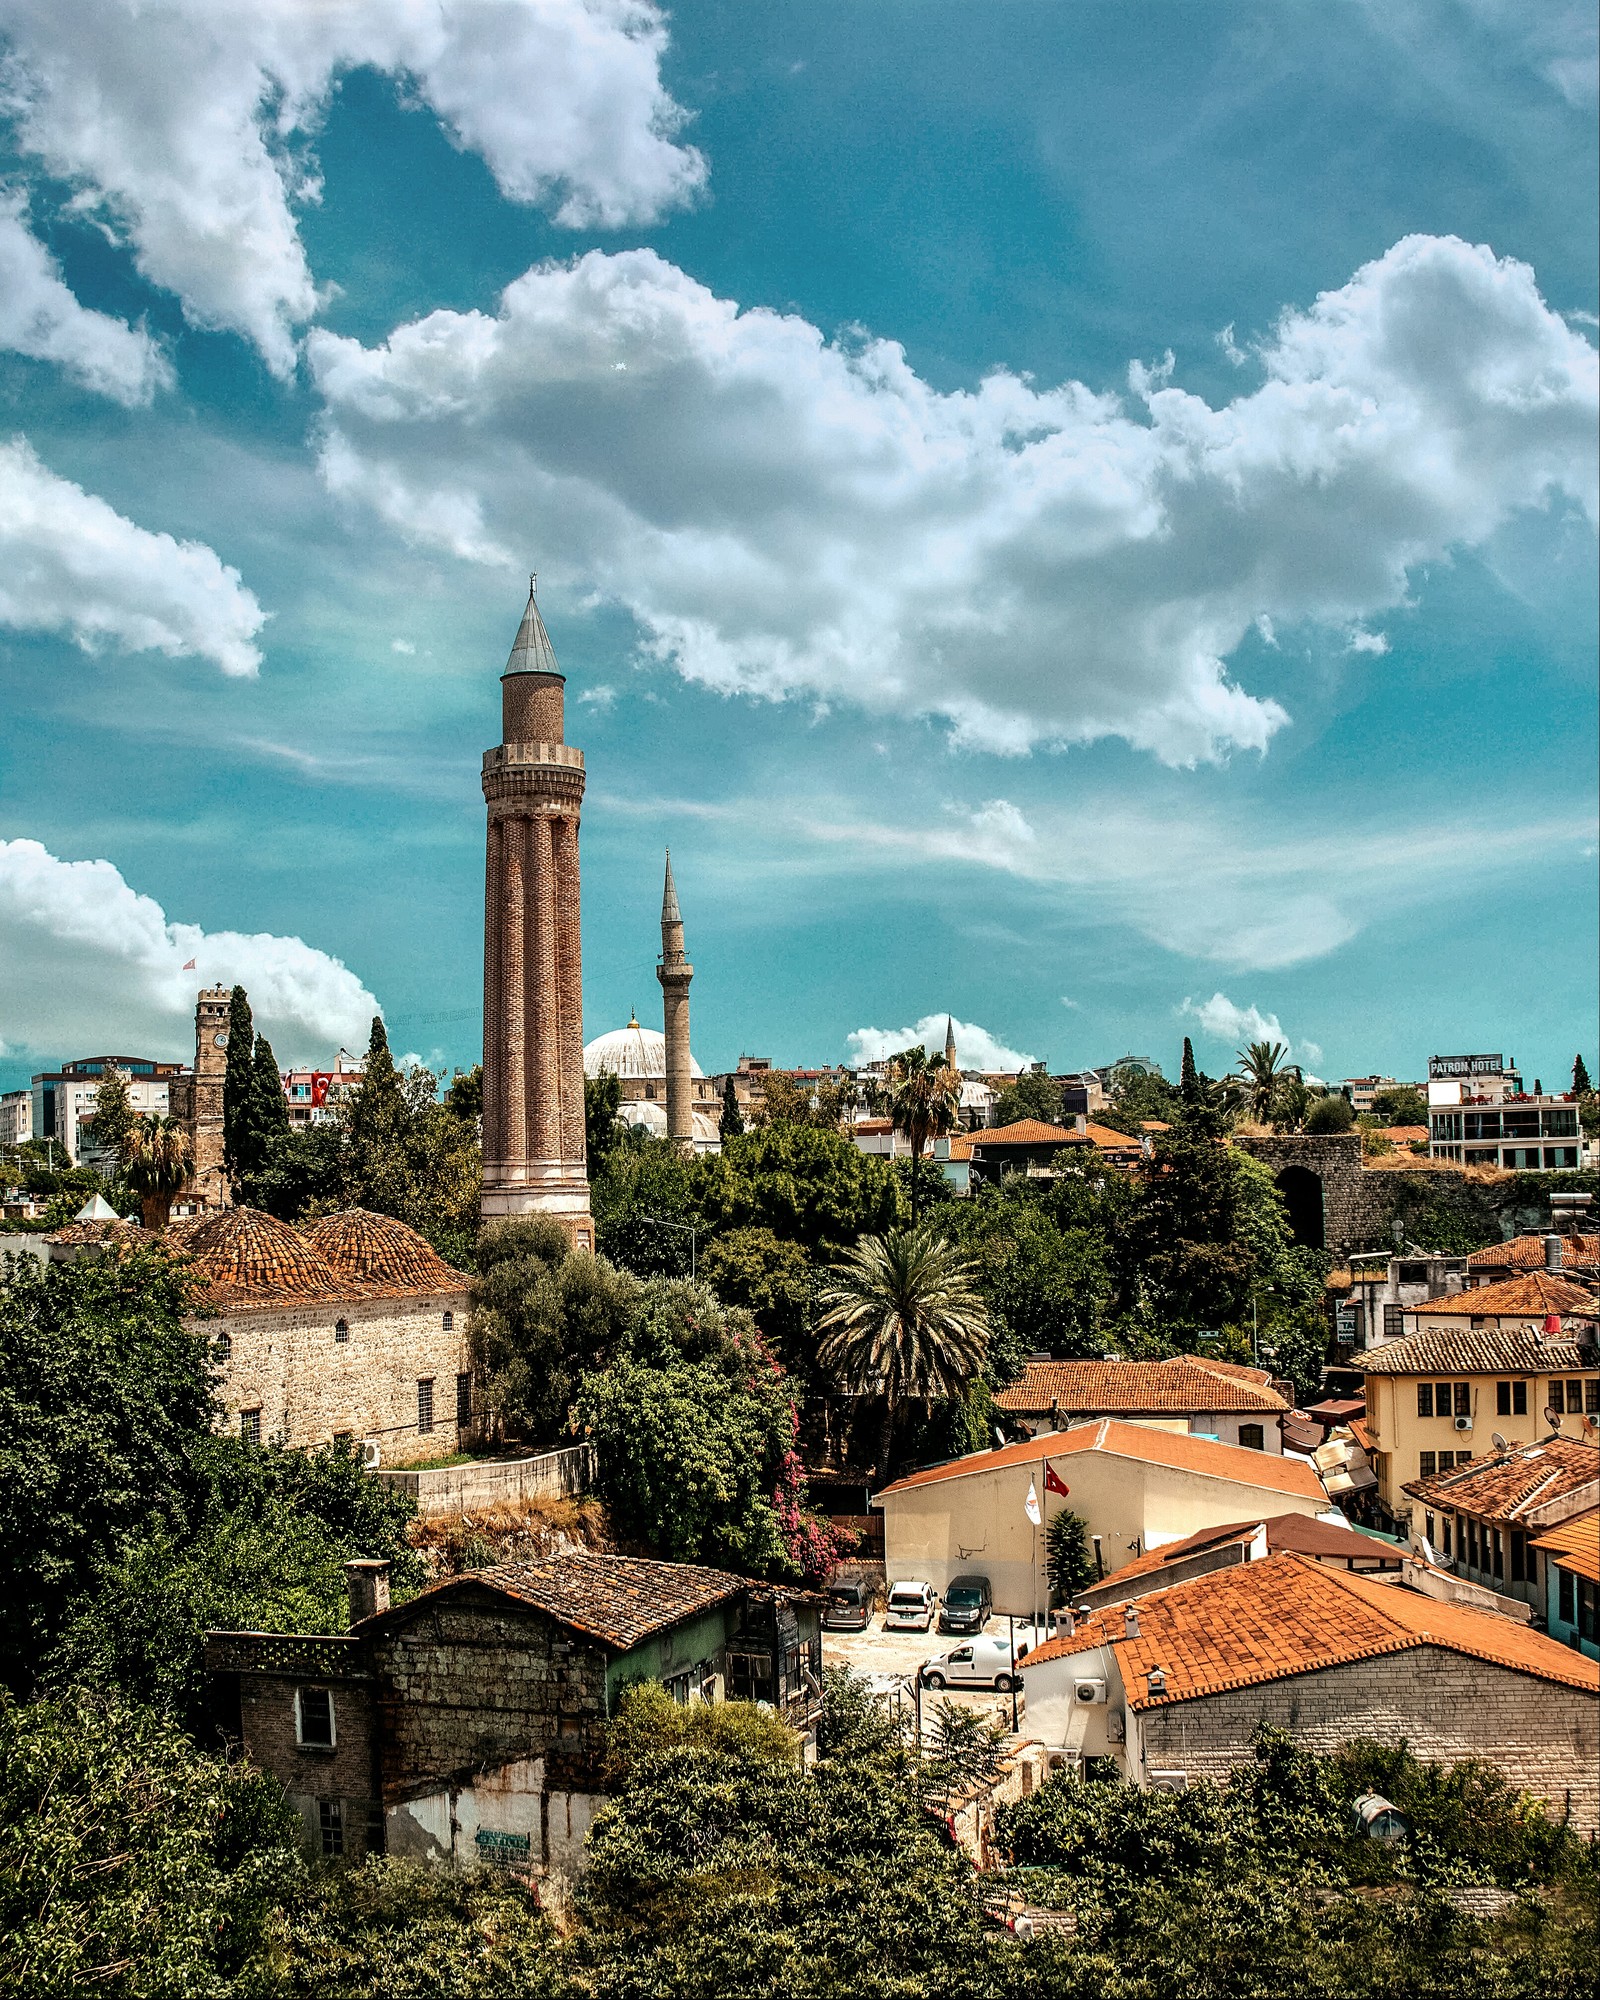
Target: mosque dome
{"points": [[629, 1053]]}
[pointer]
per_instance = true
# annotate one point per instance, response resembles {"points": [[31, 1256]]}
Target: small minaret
{"points": [[949, 1042], [675, 972]]}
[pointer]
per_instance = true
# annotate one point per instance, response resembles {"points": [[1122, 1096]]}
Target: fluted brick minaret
{"points": [[533, 1126], [675, 972]]}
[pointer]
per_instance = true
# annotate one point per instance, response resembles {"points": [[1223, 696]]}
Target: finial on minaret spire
{"points": [[670, 913], [532, 652]]}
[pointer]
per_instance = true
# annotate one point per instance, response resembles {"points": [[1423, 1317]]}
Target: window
{"points": [[463, 1399], [749, 1677], [1427, 1464], [1449, 1524], [1557, 1400], [341, 1329], [313, 1718], [1463, 1399], [1441, 1398], [1424, 1399], [1502, 1399], [1519, 1399], [1499, 1555], [449, 1322], [331, 1814], [1253, 1437], [425, 1405], [250, 1426], [1519, 1546], [223, 1348], [1591, 1396], [1427, 1529], [1394, 1323], [1566, 1597], [1587, 1624], [1472, 1544], [1574, 1398]]}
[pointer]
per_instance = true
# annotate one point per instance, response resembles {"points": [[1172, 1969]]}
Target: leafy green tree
{"points": [[922, 1096], [237, 1078], [269, 1108], [302, 1174], [156, 1160], [1048, 1288], [114, 1116], [1068, 1562], [1262, 1071], [602, 1123], [1404, 1105], [133, 1863], [105, 1406], [1033, 1095], [1184, 1235], [771, 1279], [463, 1098], [1136, 1096], [649, 1721], [1189, 1076], [542, 1318], [731, 1123], [1330, 1114], [807, 1185], [900, 1317], [644, 1200]]}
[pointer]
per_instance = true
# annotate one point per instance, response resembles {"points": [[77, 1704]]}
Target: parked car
{"points": [[848, 1609], [967, 1605], [982, 1662], [911, 1608]]}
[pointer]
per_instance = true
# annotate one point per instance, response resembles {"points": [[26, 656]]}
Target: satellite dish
{"points": [[1553, 1419], [1498, 1441]]}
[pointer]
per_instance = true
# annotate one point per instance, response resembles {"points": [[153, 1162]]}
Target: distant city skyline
{"points": [[1087, 528]]}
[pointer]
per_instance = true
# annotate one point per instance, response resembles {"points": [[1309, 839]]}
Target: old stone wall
{"points": [[311, 1385], [469, 1686], [445, 1490], [335, 1791], [1442, 1705]]}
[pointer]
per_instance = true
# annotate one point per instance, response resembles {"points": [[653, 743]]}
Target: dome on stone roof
{"points": [[630, 1052], [378, 1251], [244, 1254]]}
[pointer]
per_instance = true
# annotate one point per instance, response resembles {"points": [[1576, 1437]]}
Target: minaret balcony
{"points": [[532, 753]]}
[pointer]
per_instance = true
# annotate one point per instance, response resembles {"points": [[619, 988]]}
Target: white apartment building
{"points": [[16, 1117], [63, 1099]]}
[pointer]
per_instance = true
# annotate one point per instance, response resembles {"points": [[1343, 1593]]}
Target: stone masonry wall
{"points": [[309, 1385], [464, 1687], [345, 1775], [1444, 1706]]}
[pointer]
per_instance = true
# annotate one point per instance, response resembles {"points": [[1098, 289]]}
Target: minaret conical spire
{"points": [[675, 972], [532, 652], [670, 913], [950, 1041]]}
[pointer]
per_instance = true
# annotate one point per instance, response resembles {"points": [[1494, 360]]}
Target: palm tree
{"points": [[901, 1318], [1261, 1075], [155, 1159], [923, 1098]]}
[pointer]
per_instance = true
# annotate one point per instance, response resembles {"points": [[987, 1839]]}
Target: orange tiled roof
{"points": [[1531, 1295], [1469, 1350], [1357, 1427], [125, 1234], [1029, 1132], [1576, 1544], [1288, 1615], [1111, 1141], [1183, 1385], [1500, 1488], [960, 1144], [247, 1258], [378, 1250], [1302, 1532], [1239, 1370], [1173, 1448], [1526, 1253]]}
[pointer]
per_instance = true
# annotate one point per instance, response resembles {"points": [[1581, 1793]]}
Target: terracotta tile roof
{"points": [[1576, 1544], [1463, 1350], [1180, 1386], [379, 1251], [1337, 1408], [1173, 1448], [1301, 1532], [1496, 1488], [1111, 1141], [1357, 1427], [960, 1144], [1237, 1371], [618, 1600], [1532, 1295], [115, 1231], [1267, 1621], [1526, 1253], [1029, 1132], [246, 1258]]}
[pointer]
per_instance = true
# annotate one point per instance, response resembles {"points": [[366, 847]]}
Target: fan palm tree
{"points": [[156, 1161], [923, 1099], [1262, 1074], [901, 1318]]}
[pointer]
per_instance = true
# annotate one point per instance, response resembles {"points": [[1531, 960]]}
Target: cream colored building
{"points": [[1135, 1485], [350, 1326], [637, 1058], [1485, 1363]]}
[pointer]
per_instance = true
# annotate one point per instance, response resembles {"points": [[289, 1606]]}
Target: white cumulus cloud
{"points": [[40, 317], [786, 515], [89, 966], [69, 562], [976, 1048], [187, 125], [1224, 1021]]}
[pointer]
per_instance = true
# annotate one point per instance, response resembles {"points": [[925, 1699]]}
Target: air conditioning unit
{"points": [[1089, 1691], [1169, 1781], [1463, 1423], [371, 1454], [1057, 1761]]}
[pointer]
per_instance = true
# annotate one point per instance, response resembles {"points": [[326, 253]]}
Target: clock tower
{"points": [[196, 1100]]}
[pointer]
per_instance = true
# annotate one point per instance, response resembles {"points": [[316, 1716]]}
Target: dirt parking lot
{"points": [[887, 1655]]}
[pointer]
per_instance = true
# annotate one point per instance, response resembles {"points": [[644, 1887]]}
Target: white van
{"points": [[982, 1662], [911, 1608]]}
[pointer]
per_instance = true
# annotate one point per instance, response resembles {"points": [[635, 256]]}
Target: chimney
{"points": [[1130, 1621], [369, 1589], [1552, 1254], [1066, 1625], [1156, 1681]]}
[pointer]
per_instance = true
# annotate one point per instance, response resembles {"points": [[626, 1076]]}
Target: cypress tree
{"points": [[1189, 1080], [1067, 1558], [268, 1108], [731, 1124], [237, 1085], [378, 1133], [1580, 1077], [113, 1118]]}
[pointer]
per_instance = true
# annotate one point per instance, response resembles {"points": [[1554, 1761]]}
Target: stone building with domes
{"points": [[637, 1058], [350, 1326]]}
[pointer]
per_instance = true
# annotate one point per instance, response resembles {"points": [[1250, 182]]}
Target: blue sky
{"points": [[971, 655]]}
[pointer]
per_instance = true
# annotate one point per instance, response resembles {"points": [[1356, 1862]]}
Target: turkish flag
{"points": [[1053, 1483]]}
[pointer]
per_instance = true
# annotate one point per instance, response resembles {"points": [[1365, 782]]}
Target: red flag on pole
{"points": [[189, 966], [1053, 1483]]}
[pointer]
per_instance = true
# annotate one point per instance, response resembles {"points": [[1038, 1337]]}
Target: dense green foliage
{"points": [[1033, 1095], [772, 1280], [113, 1115], [1330, 1114], [1403, 1105], [237, 1076]]}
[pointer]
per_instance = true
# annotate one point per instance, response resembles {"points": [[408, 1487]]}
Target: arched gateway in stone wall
{"points": [[1320, 1180]]}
